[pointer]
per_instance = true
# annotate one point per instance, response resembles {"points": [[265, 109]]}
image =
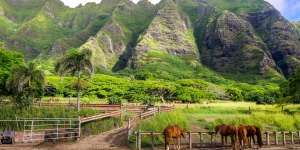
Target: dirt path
{"points": [[112, 140]]}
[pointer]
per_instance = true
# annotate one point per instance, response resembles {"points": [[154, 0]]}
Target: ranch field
{"points": [[192, 117], [204, 117]]}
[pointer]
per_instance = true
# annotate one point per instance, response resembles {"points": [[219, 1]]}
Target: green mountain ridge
{"points": [[229, 37]]}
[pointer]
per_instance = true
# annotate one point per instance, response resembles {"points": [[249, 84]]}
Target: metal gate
{"points": [[50, 130]]}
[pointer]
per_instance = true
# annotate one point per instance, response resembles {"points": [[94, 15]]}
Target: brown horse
{"points": [[223, 137], [253, 131], [173, 132], [228, 130], [243, 136]]}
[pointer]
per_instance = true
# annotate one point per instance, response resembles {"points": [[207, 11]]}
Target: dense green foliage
{"points": [[25, 83], [8, 59], [291, 88]]}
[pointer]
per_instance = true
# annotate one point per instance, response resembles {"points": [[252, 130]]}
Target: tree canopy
{"points": [[25, 83], [8, 59], [76, 63]]}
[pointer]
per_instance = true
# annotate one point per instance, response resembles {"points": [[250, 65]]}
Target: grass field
{"points": [[204, 117]]}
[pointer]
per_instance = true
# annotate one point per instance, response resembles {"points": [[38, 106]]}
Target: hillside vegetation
{"points": [[176, 50]]}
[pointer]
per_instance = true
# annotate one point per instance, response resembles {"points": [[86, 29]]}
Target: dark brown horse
{"points": [[243, 136], [253, 131], [228, 130], [171, 133]]}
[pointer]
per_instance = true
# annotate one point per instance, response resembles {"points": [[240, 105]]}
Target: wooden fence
{"points": [[141, 114], [106, 108], [211, 140], [133, 121], [101, 116]]}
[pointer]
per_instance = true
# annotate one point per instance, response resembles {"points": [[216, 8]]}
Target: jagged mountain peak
{"points": [[247, 35], [145, 3]]}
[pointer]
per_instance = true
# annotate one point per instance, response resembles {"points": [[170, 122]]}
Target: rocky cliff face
{"points": [[280, 36], [107, 45], [240, 36], [169, 32], [232, 46], [116, 36]]}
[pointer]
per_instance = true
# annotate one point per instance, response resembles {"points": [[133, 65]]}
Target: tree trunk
{"points": [[78, 91]]}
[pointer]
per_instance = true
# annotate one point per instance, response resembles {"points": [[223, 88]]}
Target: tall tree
{"points": [[25, 83], [76, 63]]}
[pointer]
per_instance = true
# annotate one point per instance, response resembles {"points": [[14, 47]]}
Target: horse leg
{"points": [[233, 145], [250, 141], [178, 143], [222, 139], [226, 140]]}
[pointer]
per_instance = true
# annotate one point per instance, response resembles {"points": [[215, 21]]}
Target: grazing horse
{"points": [[223, 137], [253, 131], [173, 132], [243, 136], [228, 130]]}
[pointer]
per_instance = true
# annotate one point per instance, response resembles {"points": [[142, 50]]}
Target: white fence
{"points": [[50, 130]]}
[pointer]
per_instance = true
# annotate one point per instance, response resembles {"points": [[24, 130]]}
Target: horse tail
{"points": [[259, 137]]}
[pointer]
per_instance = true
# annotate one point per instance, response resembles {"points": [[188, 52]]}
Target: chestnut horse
{"points": [[173, 132], [243, 136], [228, 130], [253, 131]]}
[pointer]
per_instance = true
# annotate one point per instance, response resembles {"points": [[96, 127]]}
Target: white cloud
{"points": [[74, 3]]}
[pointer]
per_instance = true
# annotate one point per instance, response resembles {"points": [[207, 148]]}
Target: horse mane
{"points": [[259, 136]]}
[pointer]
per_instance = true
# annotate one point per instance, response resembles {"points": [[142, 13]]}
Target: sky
{"points": [[289, 8]]}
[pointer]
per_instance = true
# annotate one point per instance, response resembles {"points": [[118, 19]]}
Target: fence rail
{"points": [[279, 138], [101, 116], [51, 129]]}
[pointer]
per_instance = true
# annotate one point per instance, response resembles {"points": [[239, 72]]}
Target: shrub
{"points": [[114, 100], [234, 94]]}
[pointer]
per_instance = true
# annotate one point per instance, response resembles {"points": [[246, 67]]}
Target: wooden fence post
{"points": [[31, 130], [128, 129], [136, 140], [292, 137], [190, 140], [141, 115], [276, 138], [200, 137], [152, 140], [57, 136], [211, 137], [268, 138], [139, 140], [299, 135], [79, 128], [284, 138]]}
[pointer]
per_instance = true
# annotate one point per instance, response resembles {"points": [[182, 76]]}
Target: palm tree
{"points": [[76, 63], [25, 83]]}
